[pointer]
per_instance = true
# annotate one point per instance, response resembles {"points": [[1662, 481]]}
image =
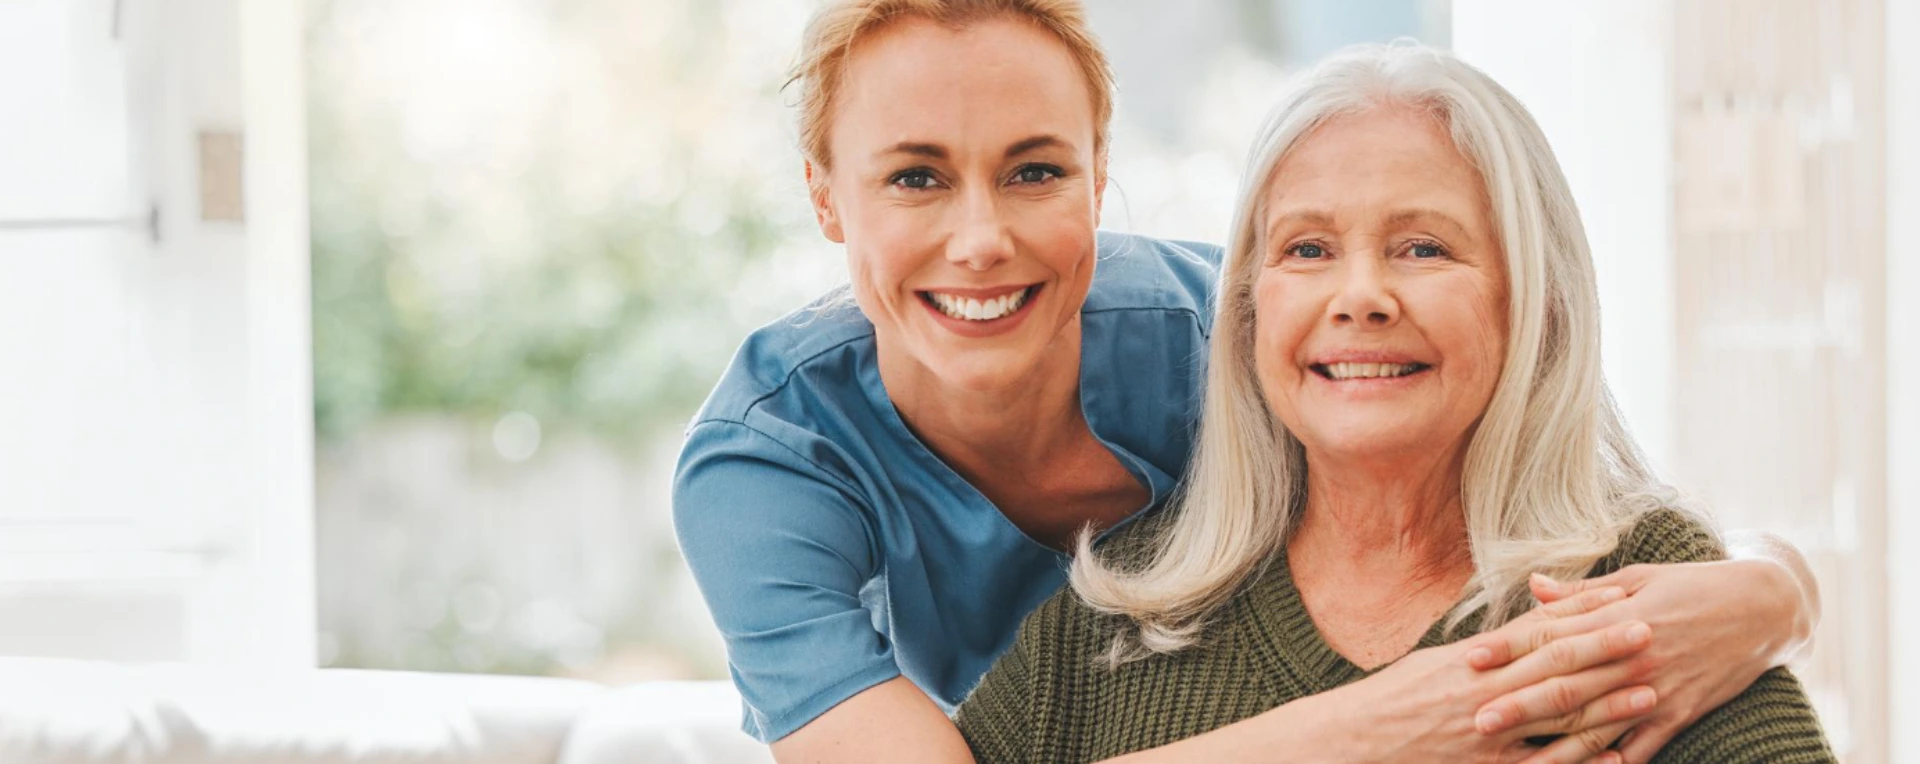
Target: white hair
{"points": [[1551, 476]]}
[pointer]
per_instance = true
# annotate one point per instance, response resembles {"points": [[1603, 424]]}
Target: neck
{"points": [[1399, 522], [1013, 423]]}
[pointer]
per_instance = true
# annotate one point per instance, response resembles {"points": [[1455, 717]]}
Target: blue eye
{"points": [[1426, 251], [917, 179], [1307, 251], [1037, 173]]}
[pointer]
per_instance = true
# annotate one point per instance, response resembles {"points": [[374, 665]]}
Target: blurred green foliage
{"points": [[567, 233]]}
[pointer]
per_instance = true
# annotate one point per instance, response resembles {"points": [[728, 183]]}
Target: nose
{"points": [[1366, 296], [981, 239]]}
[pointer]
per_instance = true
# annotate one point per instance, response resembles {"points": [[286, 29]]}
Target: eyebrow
{"points": [[937, 151], [928, 150], [1306, 217], [1035, 144], [1404, 217]]}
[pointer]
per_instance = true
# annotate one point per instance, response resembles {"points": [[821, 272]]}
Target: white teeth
{"points": [[970, 309], [1368, 370]]}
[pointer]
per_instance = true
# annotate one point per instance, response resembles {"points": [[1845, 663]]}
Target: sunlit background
{"points": [[539, 233], [377, 354]]}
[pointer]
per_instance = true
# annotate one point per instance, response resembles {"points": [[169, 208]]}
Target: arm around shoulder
{"points": [[1771, 721]]}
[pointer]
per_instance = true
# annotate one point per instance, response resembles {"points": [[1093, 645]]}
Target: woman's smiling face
{"points": [[1381, 316], [966, 186]]}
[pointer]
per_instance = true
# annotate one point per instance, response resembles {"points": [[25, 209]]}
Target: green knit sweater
{"points": [[1047, 700]]}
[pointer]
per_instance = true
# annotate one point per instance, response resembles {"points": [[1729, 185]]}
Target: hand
{"points": [[1576, 672], [1720, 625]]}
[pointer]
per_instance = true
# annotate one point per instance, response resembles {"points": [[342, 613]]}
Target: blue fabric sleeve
{"points": [[780, 548]]}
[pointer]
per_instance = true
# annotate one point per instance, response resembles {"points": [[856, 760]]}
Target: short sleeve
{"points": [[780, 549], [1772, 721]]}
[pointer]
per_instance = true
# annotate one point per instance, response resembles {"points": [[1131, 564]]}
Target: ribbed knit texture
{"points": [[1048, 700]]}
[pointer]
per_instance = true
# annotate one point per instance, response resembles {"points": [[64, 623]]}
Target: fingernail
{"points": [[1488, 722], [1638, 634], [1541, 580], [1480, 656], [1641, 700]]}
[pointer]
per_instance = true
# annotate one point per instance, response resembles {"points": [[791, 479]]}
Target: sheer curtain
{"points": [[1729, 159]]}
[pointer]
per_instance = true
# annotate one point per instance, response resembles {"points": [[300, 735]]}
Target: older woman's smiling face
{"points": [[1381, 303]]}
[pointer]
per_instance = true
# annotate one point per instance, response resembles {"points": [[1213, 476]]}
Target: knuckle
{"points": [[1593, 740], [1538, 638], [1565, 722], [1561, 697], [1563, 653]]}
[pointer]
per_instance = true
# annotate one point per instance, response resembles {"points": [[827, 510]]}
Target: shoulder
{"points": [[1065, 625], [829, 337], [1662, 536], [772, 439], [1145, 273], [1062, 639], [1771, 722]]}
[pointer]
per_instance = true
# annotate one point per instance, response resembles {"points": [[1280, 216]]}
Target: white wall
{"points": [[155, 501], [1595, 76], [1903, 379]]}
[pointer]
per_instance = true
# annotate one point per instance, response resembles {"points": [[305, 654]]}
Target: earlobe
{"points": [[823, 211]]}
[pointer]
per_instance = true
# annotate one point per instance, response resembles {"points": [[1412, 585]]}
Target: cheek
{"points": [[1282, 320], [882, 246], [868, 269], [878, 270], [1063, 244], [1477, 331]]}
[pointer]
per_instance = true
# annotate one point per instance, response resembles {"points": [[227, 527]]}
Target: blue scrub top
{"points": [[836, 551]]}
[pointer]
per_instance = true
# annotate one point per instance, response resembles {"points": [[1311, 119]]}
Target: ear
{"points": [[1099, 186], [823, 211]]}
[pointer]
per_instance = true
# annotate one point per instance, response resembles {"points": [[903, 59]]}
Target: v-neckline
{"points": [[1140, 469], [1288, 628]]}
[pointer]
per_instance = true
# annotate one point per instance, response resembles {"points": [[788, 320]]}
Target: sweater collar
{"points": [[1288, 641]]}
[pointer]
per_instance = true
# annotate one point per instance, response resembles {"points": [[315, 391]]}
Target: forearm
{"points": [[1308, 730], [1787, 566]]}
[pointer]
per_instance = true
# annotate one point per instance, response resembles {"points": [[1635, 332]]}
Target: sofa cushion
{"points": [[664, 723], [79, 712]]}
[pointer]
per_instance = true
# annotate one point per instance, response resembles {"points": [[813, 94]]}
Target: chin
{"points": [[1368, 438], [985, 370]]}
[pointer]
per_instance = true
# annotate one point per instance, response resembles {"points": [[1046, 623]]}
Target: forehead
{"points": [[1382, 160], [995, 80]]}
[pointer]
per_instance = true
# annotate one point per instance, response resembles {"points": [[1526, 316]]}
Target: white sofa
{"points": [[79, 712]]}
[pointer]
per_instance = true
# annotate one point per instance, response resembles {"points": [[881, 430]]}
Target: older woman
{"points": [[872, 499], [1404, 419]]}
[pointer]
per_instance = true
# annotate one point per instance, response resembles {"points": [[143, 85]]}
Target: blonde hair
{"points": [[839, 24], [1551, 475]]}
